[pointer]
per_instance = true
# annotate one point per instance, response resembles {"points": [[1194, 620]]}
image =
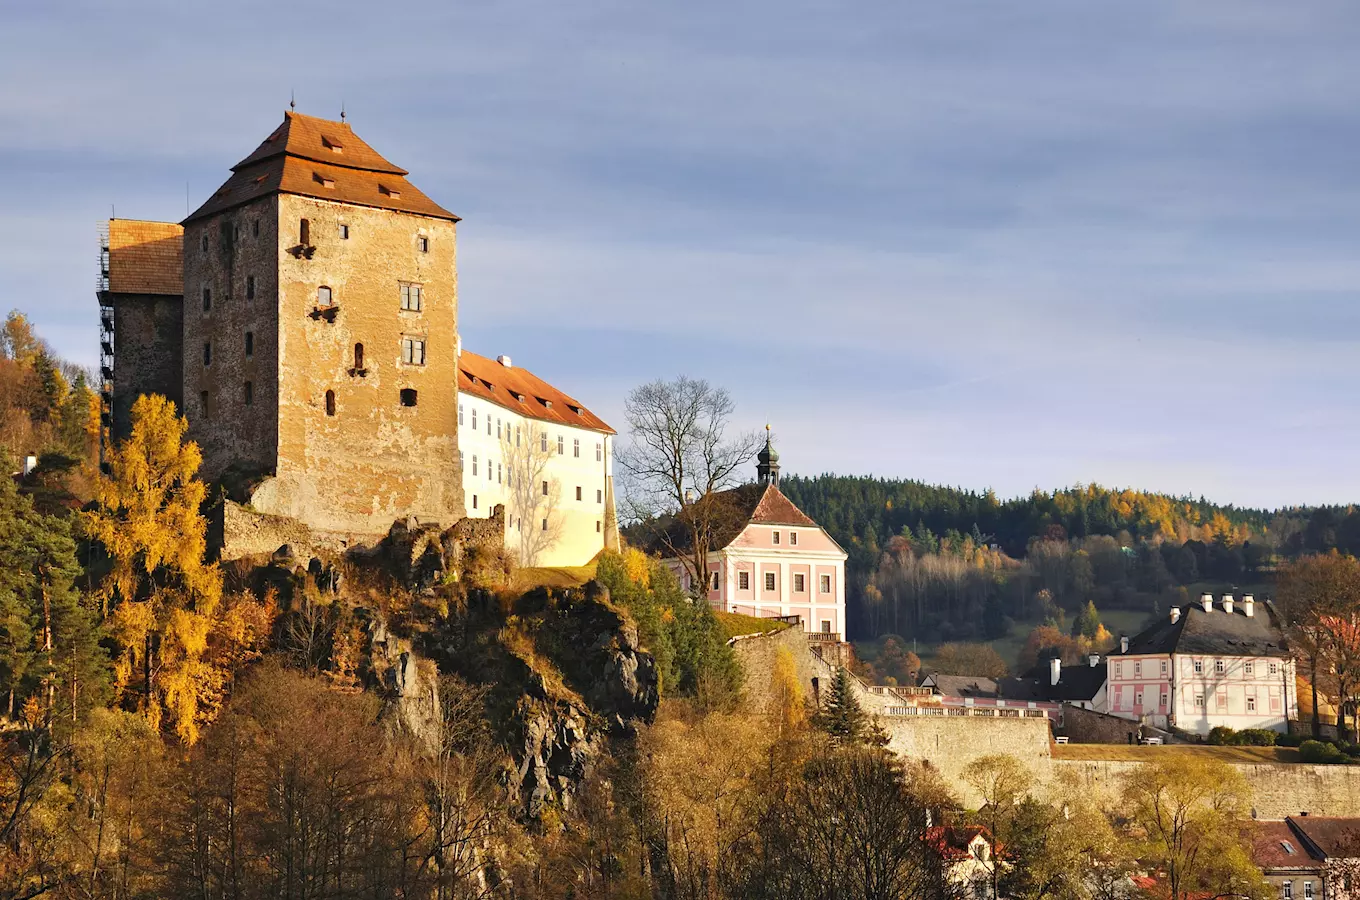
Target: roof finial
{"points": [[292, 99], [342, 110]]}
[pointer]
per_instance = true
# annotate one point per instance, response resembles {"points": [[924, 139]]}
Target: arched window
{"points": [[330, 403], [323, 296], [358, 356]]}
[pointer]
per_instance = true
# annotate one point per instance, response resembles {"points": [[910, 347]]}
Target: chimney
{"points": [[1054, 670], [1123, 643], [1207, 601], [505, 361], [1175, 614], [30, 463], [1248, 605], [1228, 603], [1094, 659]]}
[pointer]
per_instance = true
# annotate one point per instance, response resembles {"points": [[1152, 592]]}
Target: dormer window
{"points": [[331, 144], [519, 397], [547, 404], [392, 192], [325, 181], [575, 409]]}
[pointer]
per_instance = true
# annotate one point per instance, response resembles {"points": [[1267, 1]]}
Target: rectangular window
{"points": [[413, 353], [826, 584], [474, 464], [344, 232], [599, 452], [1219, 667], [1287, 890], [203, 244], [250, 343], [713, 581], [207, 299], [545, 488], [305, 233], [543, 442], [1249, 668], [207, 354], [578, 492], [599, 496], [410, 296], [474, 418], [1138, 700], [1163, 667], [474, 501], [250, 287], [1274, 669], [545, 524], [1221, 699], [1118, 670], [1199, 667], [1308, 890], [561, 445], [498, 429], [743, 581], [1138, 669], [799, 585], [460, 414], [793, 539], [499, 472], [423, 244], [769, 581], [203, 396], [409, 397], [255, 228], [597, 526], [1251, 704], [775, 538], [1199, 701], [1163, 700], [249, 393], [576, 448]]}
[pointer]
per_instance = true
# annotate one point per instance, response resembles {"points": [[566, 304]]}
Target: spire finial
{"points": [[342, 110], [292, 99]]}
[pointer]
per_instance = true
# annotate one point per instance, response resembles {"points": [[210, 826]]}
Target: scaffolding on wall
{"points": [[106, 344]]}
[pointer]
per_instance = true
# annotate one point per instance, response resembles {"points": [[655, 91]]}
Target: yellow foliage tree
{"points": [[160, 596], [786, 708]]}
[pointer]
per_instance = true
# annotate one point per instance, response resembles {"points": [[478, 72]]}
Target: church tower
{"points": [[767, 463], [320, 327]]}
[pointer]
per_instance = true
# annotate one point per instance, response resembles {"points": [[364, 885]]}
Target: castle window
{"points": [[408, 396], [793, 539], [743, 581], [250, 287], [826, 584], [1249, 668], [203, 402], [474, 418], [561, 445], [599, 452], [305, 233], [474, 501], [250, 343], [1199, 667], [576, 448], [413, 353], [1219, 666], [410, 296], [474, 464], [460, 414], [543, 442], [204, 243], [545, 488], [330, 403], [516, 435], [545, 524], [207, 353], [255, 228], [423, 244], [248, 394], [358, 356], [324, 297], [769, 581], [597, 526], [578, 492], [799, 583], [775, 538], [499, 470], [344, 232], [207, 299], [599, 496]]}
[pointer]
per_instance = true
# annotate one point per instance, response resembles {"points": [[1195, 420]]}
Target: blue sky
{"points": [[992, 244]]}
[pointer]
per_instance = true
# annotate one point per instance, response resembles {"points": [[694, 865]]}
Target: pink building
{"points": [[1210, 664], [773, 560]]}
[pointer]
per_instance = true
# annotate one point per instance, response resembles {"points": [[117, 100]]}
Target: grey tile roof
{"points": [[1215, 633]]}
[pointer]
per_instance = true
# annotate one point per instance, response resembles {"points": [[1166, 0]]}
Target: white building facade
{"points": [[541, 454]]}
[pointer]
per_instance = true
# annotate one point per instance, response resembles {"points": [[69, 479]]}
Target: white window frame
{"points": [[743, 581], [799, 583], [413, 353], [775, 538], [771, 583], [825, 584], [412, 296]]}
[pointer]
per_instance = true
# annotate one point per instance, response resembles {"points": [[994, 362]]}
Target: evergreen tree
{"points": [[841, 716]]}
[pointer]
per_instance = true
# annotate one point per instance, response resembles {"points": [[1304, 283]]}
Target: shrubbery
{"points": [[1247, 737], [1321, 753]]}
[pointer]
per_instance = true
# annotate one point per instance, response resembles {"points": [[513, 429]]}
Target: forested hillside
{"points": [[940, 563]]}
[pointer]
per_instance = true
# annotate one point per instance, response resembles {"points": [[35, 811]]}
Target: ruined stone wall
{"points": [[1086, 726], [147, 353], [757, 653], [374, 460], [241, 247]]}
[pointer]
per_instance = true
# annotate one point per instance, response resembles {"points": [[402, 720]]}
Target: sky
{"points": [[991, 244]]}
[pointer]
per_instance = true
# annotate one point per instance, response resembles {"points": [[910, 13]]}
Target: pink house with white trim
{"points": [[1211, 664]]}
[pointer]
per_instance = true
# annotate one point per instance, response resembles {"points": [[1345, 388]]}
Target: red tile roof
{"points": [[1276, 846], [735, 509], [523, 392], [953, 842], [1333, 836], [146, 257], [301, 157]]}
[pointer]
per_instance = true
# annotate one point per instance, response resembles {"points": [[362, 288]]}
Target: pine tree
{"points": [[841, 716]]}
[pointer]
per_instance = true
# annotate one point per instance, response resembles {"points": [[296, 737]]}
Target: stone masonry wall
{"points": [[1086, 726], [147, 359], [241, 246], [374, 460]]}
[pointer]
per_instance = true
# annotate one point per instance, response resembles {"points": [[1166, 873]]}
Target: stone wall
{"points": [[147, 357], [951, 743], [236, 531], [1086, 726], [757, 653]]}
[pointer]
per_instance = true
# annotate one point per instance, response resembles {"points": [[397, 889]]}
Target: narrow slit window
{"points": [[207, 299], [408, 396], [250, 343], [207, 353], [248, 393], [330, 403], [358, 356], [545, 488], [203, 402], [305, 233], [255, 228], [250, 287], [578, 492]]}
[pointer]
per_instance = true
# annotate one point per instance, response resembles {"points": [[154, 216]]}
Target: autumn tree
{"points": [[679, 456], [1315, 591], [1003, 784], [787, 708], [160, 594], [968, 659], [1190, 820]]}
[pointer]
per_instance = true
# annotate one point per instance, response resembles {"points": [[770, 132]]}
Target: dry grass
{"points": [[552, 576], [1154, 753], [734, 624]]}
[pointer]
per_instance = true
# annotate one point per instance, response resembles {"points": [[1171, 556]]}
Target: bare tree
{"points": [[679, 457], [535, 496]]}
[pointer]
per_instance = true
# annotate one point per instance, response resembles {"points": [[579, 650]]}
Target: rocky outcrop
{"points": [[408, 684], [421, 555]]}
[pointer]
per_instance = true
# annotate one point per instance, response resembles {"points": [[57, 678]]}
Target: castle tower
{"points": [[767, 462], [320, 335]]}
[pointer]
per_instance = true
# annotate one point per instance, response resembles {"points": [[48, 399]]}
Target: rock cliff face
{"points": [[408, 684]]}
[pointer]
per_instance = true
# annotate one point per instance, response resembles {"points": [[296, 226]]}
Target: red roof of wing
{"points": [[952, 841], [1269, 848], [297, 159], [504, 386]]}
